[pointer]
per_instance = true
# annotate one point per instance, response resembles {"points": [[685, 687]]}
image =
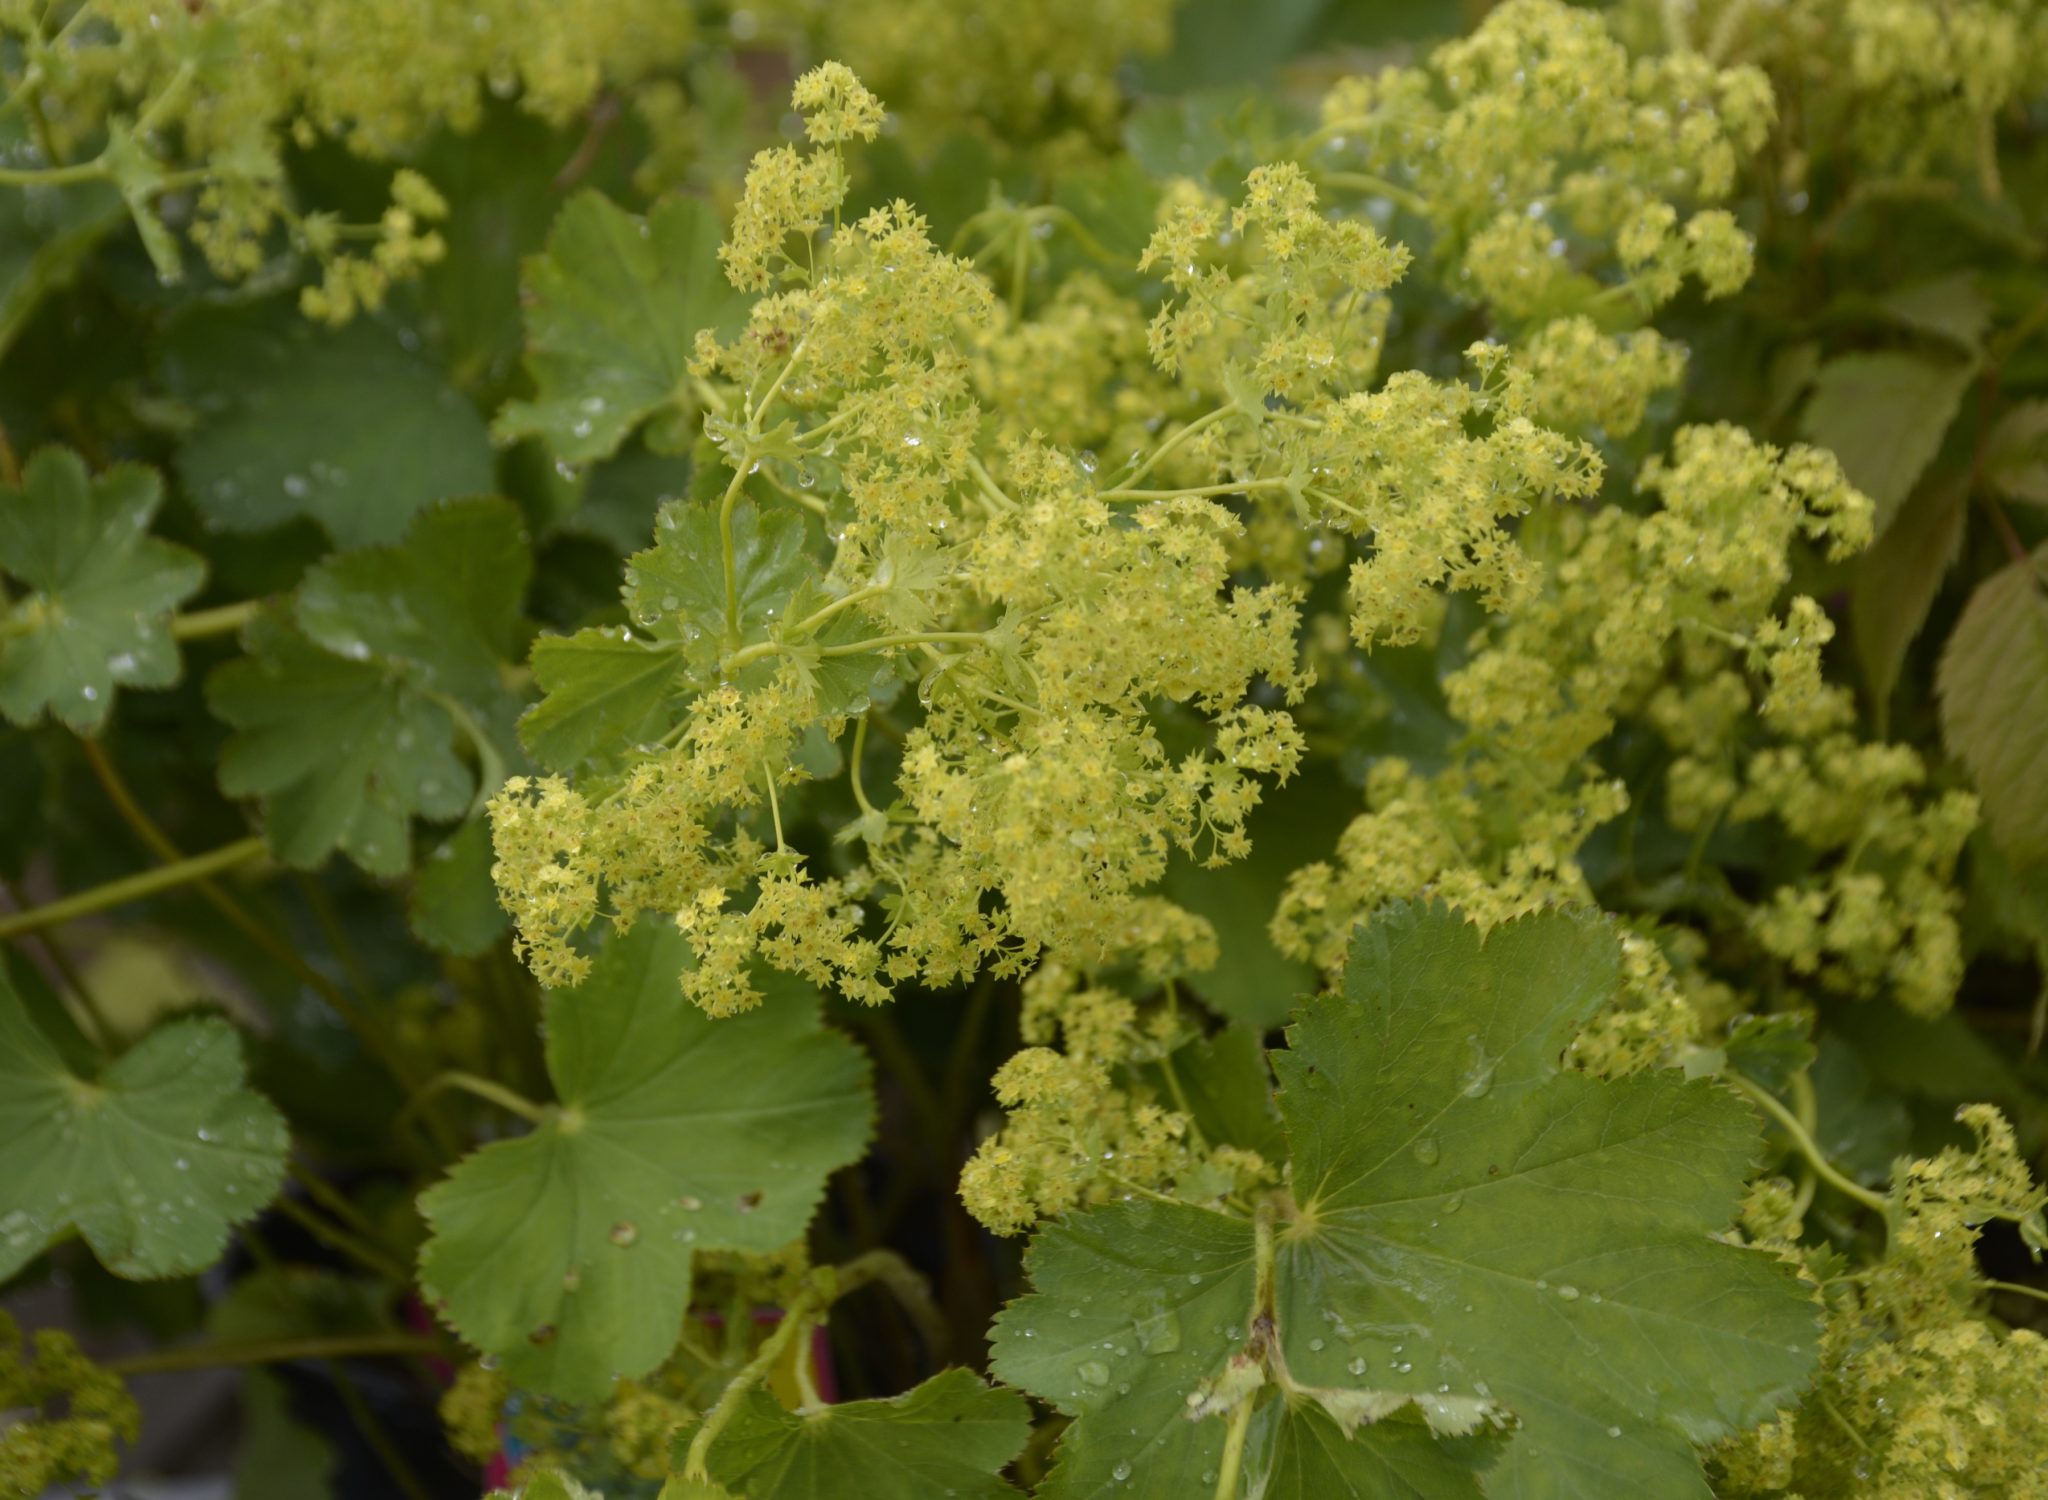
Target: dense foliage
{"points": [[1332, 743]]}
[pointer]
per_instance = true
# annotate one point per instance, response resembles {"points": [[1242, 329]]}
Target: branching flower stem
{"points": [[1803, 1141]]}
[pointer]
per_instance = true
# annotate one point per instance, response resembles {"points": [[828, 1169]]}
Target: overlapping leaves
{"points": [[566, 1253], [608, 687], [1474, 1237], [355, 706]]}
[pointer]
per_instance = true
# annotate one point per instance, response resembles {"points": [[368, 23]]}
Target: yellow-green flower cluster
{"points": [[1552, 164], [1903, 87], [65, 1415], [1013, 70], [1919, 1394], [1082, 1126], [167, 99]]}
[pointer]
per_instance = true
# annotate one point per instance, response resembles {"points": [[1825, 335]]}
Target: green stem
{"points": [[358, 1019], [1804, 1142], [273, 1352], [1241, 487], [860, 745], [796, 1318], [482, 1088], [2018, 1289], [131, 888], [774, 807], [1233, 1451], [750, 654], [1379, 187], [324, 1193], [225, 619], [24, 177], [821, 1288], [1207, 420], [725, 542], [985, 481], [490, 765]]}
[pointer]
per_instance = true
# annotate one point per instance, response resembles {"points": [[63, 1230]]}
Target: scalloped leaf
{"points": [[952, 1435], [566, 1253], [608, 689], [101, 590], [1463, 1210], [152, 1161], [614, 307], [350, 710]]}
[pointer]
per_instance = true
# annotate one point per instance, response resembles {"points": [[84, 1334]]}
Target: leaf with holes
{"points": [[566, 1253], [1461, 1212]]}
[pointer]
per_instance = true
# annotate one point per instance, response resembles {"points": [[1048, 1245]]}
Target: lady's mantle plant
{"points": [[1436, 660]]}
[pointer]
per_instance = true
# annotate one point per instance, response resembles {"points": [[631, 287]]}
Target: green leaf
{"points": [[1898, 578], [1218, 42], [676, 589], [47, 234], [613, 311], [152, 1161], [101, 590], [1228, 1091], [607, 689], [444, 604], [1949, 307], [548, 1484], [2016, 454], [454, 907], [1993, 687], [1462, 1212], [277, 1455], [1884, 416], [566, 1253], [347, 426], [604, 689], [344, 755], [349, 720], [1252, 980], [950, 1436]]}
